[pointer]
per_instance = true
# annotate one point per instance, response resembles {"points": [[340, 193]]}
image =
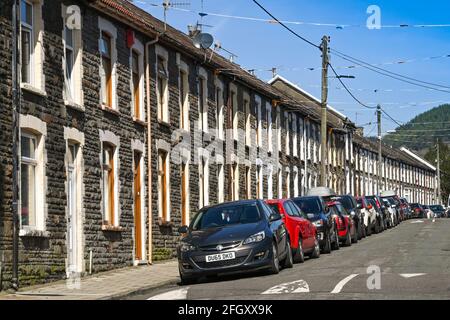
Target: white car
{"points": [[370, 214]]}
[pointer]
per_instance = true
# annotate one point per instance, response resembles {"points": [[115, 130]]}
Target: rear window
{"points": [[347, 203], [308, 205]]}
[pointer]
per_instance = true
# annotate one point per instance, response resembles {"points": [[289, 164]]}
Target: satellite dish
{"points": [[203, 40]]}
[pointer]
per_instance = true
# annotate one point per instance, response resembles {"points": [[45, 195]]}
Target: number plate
{"points": [[220, 257]]}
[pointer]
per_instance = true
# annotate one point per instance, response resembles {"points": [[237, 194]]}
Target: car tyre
{"points": [[316, 252], [185, 280], [299, 256], [336, 243], [369, 229], [275, 262], [377, 226], [348, 239], [355, 237], [288, 262], [327, 246]]}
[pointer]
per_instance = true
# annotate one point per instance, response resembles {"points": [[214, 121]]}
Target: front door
{"points": [[137, 206], [72, 221]]}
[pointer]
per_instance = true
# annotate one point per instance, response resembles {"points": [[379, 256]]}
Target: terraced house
{"points": [[127, 129]]}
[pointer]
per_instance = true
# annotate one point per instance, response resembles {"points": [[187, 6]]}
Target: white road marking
{"points": [[417, 221], [410, 275], [180, 294], [343, 282], [298, 286]]}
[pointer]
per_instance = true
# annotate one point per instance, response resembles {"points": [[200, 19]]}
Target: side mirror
{"points": [[274, 217], [183, 229], [310, 216]]}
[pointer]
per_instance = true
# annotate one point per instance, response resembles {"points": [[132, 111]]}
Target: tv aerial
{"points": [[218, 46]]}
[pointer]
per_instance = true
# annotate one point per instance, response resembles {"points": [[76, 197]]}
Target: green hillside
{"points": [[422, 131]]}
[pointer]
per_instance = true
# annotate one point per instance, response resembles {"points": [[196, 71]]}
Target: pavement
{"points": [[103, 286], [408, 262]]}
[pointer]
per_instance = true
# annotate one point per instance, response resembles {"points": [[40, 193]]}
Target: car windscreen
{"points": [[223, 216], [437, 208], [308, 205], [347, 203]]}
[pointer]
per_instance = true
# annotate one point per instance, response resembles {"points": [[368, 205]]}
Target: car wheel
{"points": [[327, 246], [377, 226], [299, 256], [355, 236], [336, 242], [316, 252], [185, 280], [288, 261], [369, 229], [275, 262], [348, 239]]}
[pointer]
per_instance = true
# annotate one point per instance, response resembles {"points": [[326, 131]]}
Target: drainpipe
{"points": [[149, 146], [15, 148]]}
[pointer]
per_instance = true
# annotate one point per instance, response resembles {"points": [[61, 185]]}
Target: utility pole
{"points": [[438, 172], [380, 155], [323, 164]]}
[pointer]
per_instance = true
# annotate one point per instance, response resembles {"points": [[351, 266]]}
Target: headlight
{"points": [[318, 223], [255, 238], [185, 247]]}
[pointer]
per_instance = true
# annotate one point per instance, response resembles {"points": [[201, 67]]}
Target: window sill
{"points": [[32, 89], [33, 233], [139, 121], [73, 105], [109, 109], [108, 227], [164, 123]]}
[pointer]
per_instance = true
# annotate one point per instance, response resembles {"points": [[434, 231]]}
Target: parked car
{"points": [[346, 227], [406, 208], [382, 215], [428, 212], [418, 210], [350, 204], [232, 237], [438, 210], [319, 214], [302, 233], [394, 200], [391, 210], [370, 215], [379, 225]]}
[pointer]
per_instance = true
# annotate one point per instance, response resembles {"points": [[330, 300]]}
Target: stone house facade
{"points": [[127, 129]]}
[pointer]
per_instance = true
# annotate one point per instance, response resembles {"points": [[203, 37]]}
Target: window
{"points": [[220, 182], [109, 190], [28, 180], [184, 100], [219, 112], [270, 184], [106, 79], [184, 194], [202, 102], [294, 136], [204, 182], [69, 61], [162, 89], [278, 123], [287, 185], [302, 140], [234, 181], [269, 126], [233, 101], [248, 182], [163, 185], [296, 182], [258, 123], [137, 84], [280, 184], [248, 127], [287, 117], [27, 41], [259, 182]]}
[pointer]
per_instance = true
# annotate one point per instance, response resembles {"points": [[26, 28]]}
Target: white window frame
{"points": [[162, 55], [294, 136], [296, 188], [33, 127], [269, 126], [220, 120], [287, 117], [203, 114], [258, 120], [234, 111], [248, 126], [270, 182], [280, 183], [184, 101], [203, 170], [161, 190], [235, 181], [138, 48], [220, 182]]}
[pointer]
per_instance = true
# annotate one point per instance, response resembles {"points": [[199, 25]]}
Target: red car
{"points": [[346, 228], [302, 233]]}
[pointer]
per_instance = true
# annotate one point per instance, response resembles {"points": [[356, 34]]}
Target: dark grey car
{"points": [[233, 237]]}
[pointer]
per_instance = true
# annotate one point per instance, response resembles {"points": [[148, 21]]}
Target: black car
{"points": [[350, 204], [438, 210], [319, 214], [231, 237], [418, 210]]}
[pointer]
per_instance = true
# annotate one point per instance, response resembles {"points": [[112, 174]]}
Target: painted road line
{"points": [[180, 294], [342, 283], [411, 275], [298, 286], [417, 221]]}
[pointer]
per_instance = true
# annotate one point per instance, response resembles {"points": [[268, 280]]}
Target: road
{"points": [[413, 260]]}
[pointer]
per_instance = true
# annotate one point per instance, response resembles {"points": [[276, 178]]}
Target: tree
{"points": [[444, 154]]}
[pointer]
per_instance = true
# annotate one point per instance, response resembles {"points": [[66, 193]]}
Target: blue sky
{"points": [[261, 45]]}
